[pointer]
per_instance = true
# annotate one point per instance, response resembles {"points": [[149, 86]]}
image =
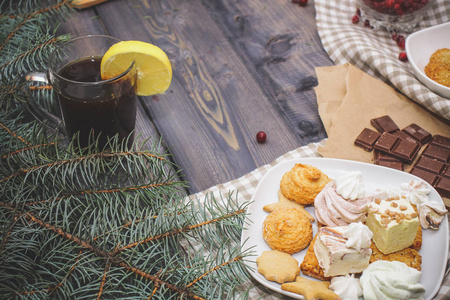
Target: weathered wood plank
{"points": [[214, 108], [280, 43]]}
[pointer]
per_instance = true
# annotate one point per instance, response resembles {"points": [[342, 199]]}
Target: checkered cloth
{"points": [[246, 185], [374, 51]]}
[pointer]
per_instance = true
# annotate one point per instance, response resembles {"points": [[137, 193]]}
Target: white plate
{"points": [[434, 244]]}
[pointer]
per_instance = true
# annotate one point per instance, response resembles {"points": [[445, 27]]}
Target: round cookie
{"points": [[302, 183], [287, 230]]}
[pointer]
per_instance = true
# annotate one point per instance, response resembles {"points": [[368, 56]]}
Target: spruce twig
{"points": [[98, 224]]}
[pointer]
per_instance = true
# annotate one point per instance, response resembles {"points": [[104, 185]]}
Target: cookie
{"points": [[438, 69], [277, 266], [287, 230], [408, 256], [302, 183], [310, 289], [284, 202]]}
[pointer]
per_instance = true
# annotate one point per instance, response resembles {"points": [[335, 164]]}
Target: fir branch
{"points": [[28, 17]]}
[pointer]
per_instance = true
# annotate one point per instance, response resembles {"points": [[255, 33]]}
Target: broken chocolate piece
{"points": [[417, 133], [446, 173], [398, 165], [366, 139], [425, 175], [384, 124], [386, 142], [442, 141], [437, 152], [430, 164], [379, 155], [406, 150], [442, 186]]}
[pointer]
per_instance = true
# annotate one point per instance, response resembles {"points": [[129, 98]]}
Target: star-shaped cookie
{"points": [[284, 202], [310, 289]]}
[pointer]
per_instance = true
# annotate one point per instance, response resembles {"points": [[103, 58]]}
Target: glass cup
{"points": [[92, 109], [394, 15]]}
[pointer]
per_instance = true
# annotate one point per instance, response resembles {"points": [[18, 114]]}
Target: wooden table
{"points": [[239, 67]]}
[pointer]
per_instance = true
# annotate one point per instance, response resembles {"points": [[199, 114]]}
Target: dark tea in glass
{"points": [[93, 108]]}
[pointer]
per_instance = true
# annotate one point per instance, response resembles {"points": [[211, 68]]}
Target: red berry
{"points": [[355, 19], [394, 36], [303, 2], [261, 137], [403, 57], [400, 41]]}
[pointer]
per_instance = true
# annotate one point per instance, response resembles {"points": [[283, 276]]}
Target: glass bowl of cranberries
{"points": [[394, 15]]}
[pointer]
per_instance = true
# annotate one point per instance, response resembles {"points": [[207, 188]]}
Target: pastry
{"points": [[287, 230], [302, 183], [310, 265], [343, 250], [341, 202], [394, 224]]}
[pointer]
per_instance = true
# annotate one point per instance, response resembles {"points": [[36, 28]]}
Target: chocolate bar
{"points": [[417, 133], [433, 165], [384, 124], [366, 139]]}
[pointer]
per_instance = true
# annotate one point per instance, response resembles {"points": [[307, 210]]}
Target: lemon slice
{"points": [[154, 71]]}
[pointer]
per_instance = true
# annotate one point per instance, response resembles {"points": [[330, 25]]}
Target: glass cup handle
{"points": [[36, 108]]}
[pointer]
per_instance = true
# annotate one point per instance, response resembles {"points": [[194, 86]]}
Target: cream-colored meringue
{"points": [[431, 214], [333, 210], [350, 185], [347, 287], [358, 236], [391, 280], [416, 191]]}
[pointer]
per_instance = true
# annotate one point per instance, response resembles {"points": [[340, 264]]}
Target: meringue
{"points": [[333, 210], [350, 185], [358, 236], [391, 280], [431, 214], [416, 192], [347, 287]]}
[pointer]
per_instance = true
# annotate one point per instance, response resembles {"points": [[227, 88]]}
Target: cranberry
{"points": [[394, 36], [367, 24], [261, 137], [403, 57], [400, 41], [355, 19], [303, 2]]}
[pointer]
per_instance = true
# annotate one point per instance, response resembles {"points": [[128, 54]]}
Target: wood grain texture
{"points": [[239, 67]]}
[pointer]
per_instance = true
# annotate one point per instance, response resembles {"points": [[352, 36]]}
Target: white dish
{"points": [[420, 45], [434, 244]]}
